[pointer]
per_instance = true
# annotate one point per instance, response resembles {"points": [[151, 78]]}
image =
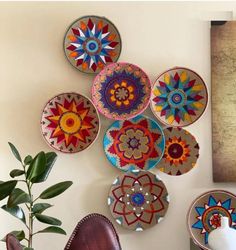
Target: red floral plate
{"points": [[138, 200], [121, 91], [92, 42], [70, 122], [137, 143], [205, 215], [181, 152]]}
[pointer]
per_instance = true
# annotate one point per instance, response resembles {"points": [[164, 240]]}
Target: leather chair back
{"points": [[94, 232]]}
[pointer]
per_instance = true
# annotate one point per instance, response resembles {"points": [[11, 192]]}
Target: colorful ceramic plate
{"points": [[121, 91], [181, 152], [179, 97], [138, 200], [205, 214], [91, 42], [70, 122], [137, 143]]}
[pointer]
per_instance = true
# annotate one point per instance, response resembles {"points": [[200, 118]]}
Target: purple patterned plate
{"points": [[121, 91]]}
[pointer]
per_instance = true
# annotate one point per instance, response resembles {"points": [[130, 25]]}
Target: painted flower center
{"points": [[122, 93], [176, 98], [134, 143], [175, 150], [215, 220], [70, 122], [212, 217], [137, 199], [92, 46]]}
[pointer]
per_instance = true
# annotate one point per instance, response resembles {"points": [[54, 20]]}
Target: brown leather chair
{"points": [[94, 232], [13, 243]]}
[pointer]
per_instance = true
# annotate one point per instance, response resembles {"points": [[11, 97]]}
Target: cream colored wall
{"points": [[33, 68]]}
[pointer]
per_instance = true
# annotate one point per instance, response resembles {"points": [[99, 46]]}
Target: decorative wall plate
{"points": [[135, 143], [138, 200], [181, 151], [70, 122], [91, 42], [121, 91], [179, 97], [205, 214]]}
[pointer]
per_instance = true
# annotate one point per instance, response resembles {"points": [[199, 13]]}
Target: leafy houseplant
{"points": [[34, 170]]}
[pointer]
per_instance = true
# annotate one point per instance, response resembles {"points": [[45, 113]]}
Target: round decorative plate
{"points": [[92, 42], [121, 91], [137, 143], [205, 214], [70, 122], [179, 97], [181, 151], [138, 200]]}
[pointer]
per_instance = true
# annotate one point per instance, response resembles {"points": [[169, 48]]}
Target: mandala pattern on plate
{"points": [[70, 122], [181, 151], [206, 212], [179, 97], [121, 91], [135, 143], [138, 200], [92, 42]]}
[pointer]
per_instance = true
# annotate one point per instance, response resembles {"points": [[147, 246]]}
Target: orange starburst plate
{"points": [[70, 122], [181, 151]]}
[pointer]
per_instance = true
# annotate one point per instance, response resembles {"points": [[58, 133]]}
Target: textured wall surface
{"points": [[223, 53], [33, 68]]}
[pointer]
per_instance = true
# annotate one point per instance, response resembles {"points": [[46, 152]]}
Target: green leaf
{"points": [[50, 160], [15, 151], [6, 188], [40, 207], [28, 159], [17, 197], [52, 229], [55, 190], [20, 235], [48, 219], [28, 248], [36, 167], [16, 212], [16, 172]]}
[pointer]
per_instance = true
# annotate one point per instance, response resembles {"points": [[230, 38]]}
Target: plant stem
{"points": [[30, 208], [30, 227], [35, 200]]}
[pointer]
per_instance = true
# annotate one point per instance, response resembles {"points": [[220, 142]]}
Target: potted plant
{"points": [[33, 170]]}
